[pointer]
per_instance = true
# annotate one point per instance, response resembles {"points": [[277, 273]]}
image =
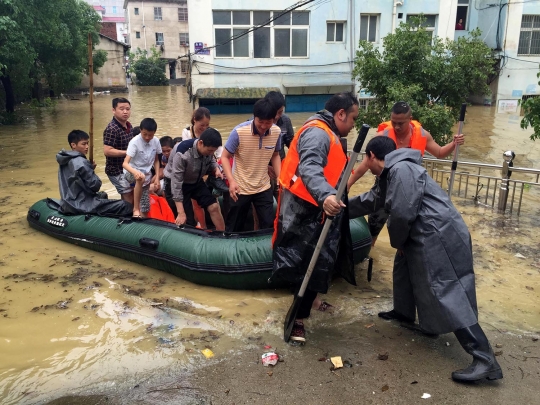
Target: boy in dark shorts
{"points": [[194, 159], [79, 184]]}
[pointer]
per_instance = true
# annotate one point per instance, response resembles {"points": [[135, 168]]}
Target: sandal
{"points": [[298, 334]]}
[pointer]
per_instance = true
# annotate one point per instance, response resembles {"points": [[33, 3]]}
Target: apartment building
{"points": [[162, 24], [112, 18], [241, 48]]}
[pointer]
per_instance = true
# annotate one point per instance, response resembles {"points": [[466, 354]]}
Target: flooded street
{"points": [[72, 320]]}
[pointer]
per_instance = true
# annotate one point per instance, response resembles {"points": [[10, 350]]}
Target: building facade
{"points": [[239, 48], [512, 30], [162, 24], [112, 75], [112, 18]]}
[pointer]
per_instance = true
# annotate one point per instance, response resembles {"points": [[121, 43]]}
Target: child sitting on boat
{"points": [[79, 184], [142, 153]]}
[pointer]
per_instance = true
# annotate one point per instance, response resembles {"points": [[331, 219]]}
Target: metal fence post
{"points": [[508, 156]]}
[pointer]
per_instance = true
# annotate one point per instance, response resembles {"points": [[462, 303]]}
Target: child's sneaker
{"points": [[298, 334]]}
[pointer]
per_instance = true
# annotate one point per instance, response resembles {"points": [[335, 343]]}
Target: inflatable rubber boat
{"points": [[240, 261]]}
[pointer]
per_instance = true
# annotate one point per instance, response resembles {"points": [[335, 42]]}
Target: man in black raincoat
{"points": [[434, 253], [309, 176], [79, 184]]}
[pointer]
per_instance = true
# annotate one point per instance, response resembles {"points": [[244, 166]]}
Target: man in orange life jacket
{"points": [[406, 133], [308, 180]]}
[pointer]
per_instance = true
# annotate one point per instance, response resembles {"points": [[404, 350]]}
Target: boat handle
{"points": [[149, 243]]}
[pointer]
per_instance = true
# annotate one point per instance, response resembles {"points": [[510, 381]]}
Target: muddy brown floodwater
{"points": [[72, 320]]}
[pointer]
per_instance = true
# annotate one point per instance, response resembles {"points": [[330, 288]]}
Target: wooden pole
{"points": [[91, 91]]}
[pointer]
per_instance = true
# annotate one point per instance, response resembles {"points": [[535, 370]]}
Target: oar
{"points": [[456, 150], [293, 310]]}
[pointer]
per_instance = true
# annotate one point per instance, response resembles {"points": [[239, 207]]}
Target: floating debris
{"points": [[269, 359], [337, 362]]}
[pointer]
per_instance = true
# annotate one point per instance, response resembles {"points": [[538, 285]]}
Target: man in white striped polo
{"points": [[252, 144]]}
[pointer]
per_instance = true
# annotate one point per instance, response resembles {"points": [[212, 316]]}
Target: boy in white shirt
{"points": [[141, 154]]}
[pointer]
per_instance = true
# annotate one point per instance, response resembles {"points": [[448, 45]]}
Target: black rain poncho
{"points": [[300, 223], [435, 274], [79, 185]]}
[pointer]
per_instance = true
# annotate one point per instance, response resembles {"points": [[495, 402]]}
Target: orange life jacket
{"points": [[418, 138], [159, 209], [332, 171]]}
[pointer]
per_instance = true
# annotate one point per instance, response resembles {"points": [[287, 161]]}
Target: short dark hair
{"points": [[166, 141], [118, 100], [211, 137], [401, 107], [264, 109], [380, 146], [149, 124], [177, 139], [199, 114], [76, 136], [341, 101], [277, 98]]}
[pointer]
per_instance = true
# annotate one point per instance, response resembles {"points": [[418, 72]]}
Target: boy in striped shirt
{"points": [[252, 144]]}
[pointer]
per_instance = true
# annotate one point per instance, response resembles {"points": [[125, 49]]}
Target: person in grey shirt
{"points": [[193, 159]]}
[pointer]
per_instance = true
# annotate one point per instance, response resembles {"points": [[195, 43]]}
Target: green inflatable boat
{"points": [[240, 261]]}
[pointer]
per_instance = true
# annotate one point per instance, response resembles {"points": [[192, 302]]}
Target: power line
{"points": [[269, 66], [254, 27], [523, 60]]}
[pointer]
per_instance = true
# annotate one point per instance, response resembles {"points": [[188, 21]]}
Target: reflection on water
{"points": [[72, 319]]}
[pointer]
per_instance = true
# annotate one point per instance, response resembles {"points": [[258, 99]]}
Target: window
{"points": [[136, 11], [462, 14], [137, 34], [159, 38], [184, 66], [289, 39], [184, 39], [114, 9], [157, 13], [182, 11], [529, 37], [429, 23], [363, 104], [335, 31], [286, 36], [369, 27]]}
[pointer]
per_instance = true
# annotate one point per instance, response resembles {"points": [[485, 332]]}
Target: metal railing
{"points": [[489, 185], [488, 182]]}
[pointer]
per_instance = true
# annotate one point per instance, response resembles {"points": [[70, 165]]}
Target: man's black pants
{"points": [[264, 206]]}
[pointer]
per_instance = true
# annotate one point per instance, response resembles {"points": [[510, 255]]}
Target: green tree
{"points": [[432, 75], [44, 42], [531, 110], [149, 69]]}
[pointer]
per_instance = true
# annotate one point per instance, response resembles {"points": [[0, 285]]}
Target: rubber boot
{"points": [[484, 364]]}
